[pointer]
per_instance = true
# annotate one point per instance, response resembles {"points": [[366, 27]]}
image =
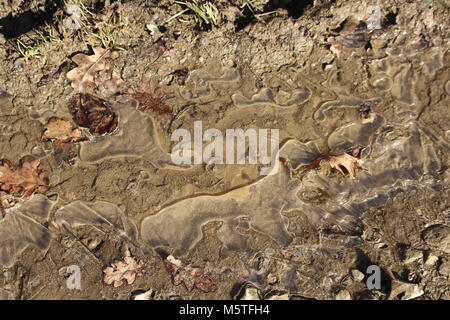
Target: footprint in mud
{"points": [[266, 97], [396, 156], [20, 228], [199, 83], [135, 136]]}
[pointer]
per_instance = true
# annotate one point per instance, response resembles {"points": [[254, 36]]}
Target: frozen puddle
{"points": [[21, 228], [135, 136], [199, 84], [179, 226], [104, 215], [267, 97], [396, 157]]}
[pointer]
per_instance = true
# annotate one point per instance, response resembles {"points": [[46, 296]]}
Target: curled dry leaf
{"points": [[340, 160], [191, 277], [346, 161], [83, 75], [119, 271], [62, 131], [93, 113], [407, 291], [25, 179], [6, 200]]}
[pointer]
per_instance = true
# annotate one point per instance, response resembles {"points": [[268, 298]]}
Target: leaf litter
{"points": [[26, 179], [62, 131], [345, 162], [120, 271], [87, 66], [93, 113], [191, 277]]}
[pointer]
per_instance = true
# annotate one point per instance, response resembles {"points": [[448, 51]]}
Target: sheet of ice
{"points": [[267, 97], [397, 156], [107, 216], [20, 228], [199, 84], [179, 225], [135, 136]]}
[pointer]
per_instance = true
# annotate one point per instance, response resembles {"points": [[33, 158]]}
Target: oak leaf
{"points": [[83, 75], [25, 179], [191, 277], [119, 271], [93, 113], [62, 131], [346, 161], [154, 102]]}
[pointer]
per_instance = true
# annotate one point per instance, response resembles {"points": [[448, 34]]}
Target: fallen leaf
{"points": [[191, 277], [346, 161], [25, 179], [6, 200], [62, 131], [154, 102], [93, 113], [119, 271], [83, 75]]}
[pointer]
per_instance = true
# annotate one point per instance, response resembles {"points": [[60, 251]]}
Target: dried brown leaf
{"points": [[62, 131], [83, 75], [191, 277], [154, 102], [26, 179], [346, 161], [93, 113], [126, 270]]}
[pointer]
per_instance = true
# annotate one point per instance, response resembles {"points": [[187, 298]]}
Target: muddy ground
{"points": [[325, 73]]}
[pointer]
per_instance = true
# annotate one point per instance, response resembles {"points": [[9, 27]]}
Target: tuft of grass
{"points": [[94, 32], [203, 13], [37, 45], [255, 6]]}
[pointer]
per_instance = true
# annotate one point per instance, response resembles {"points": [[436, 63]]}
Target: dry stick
{"points": [[175, 16]]}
